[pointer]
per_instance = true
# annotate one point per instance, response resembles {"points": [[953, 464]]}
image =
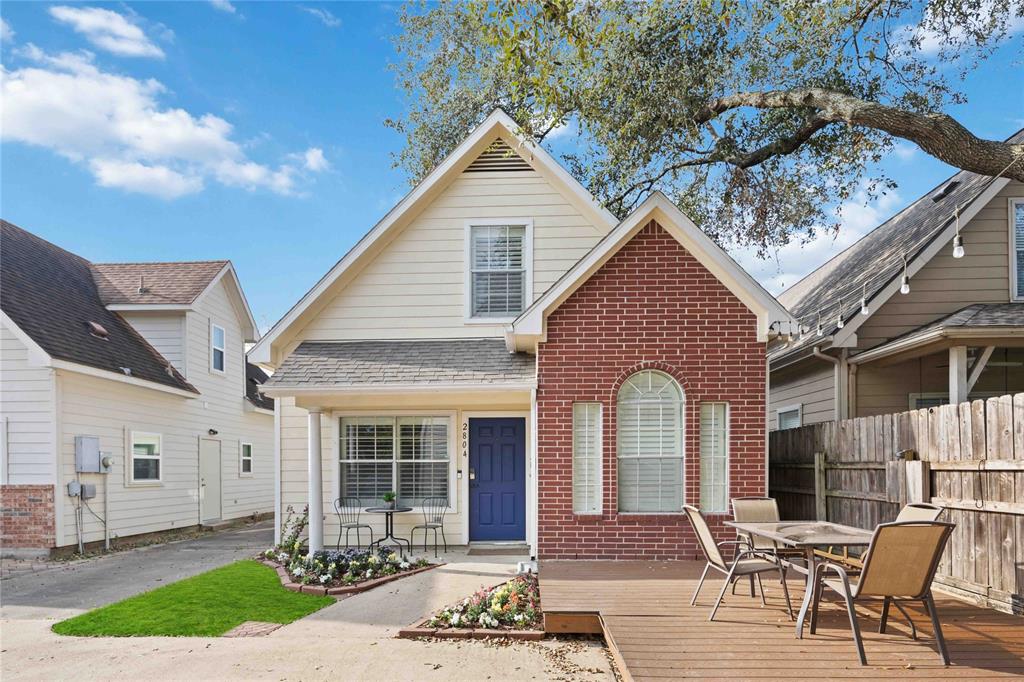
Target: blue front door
{"points": [[497, 479]]}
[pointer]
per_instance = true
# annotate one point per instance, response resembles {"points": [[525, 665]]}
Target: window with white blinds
{"points": [[1017, 228], [714, 457], [789, 417], [650, 443], [586, 458], [406, 455], [498, 270]]}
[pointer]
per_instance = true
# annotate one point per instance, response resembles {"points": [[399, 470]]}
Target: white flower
{"points": [[369, 573], [298, 572], [282, 557], [404, 565], [456, 618], [324, 579]]}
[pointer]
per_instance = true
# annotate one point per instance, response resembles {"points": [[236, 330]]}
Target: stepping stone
{"points": [[252, 628]]}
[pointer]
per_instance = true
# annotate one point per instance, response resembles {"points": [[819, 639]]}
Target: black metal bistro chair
{"points": [[434, 509], [348, 510]]}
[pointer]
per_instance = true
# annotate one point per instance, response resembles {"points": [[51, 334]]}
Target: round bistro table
{"points": [[389, 527]]}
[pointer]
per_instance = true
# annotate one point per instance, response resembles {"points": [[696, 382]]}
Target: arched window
{"points": [[650, 443]]}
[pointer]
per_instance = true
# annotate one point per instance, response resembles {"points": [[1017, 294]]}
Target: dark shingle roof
{"points": [[254, 380], [50, 294], [426, 361], [978, 316], [164, 283], [877, 258]]}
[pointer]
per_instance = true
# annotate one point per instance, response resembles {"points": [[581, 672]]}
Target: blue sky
{"points": [[272, 117]]}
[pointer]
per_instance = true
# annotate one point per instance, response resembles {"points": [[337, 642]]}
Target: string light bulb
{"points": [[905, 280], [864, 301], [839, 316], [958, 240], [820, 331]]}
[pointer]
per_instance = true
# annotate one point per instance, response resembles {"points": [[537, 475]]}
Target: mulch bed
{"points": [[423, 630], [286, 580]]}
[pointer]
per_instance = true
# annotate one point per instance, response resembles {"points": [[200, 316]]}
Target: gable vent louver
{"points": [[498, 157]]}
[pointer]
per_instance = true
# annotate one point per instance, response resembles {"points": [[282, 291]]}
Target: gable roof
{"points": [[529, 327], [874, 263], [51, 296], [480, 141], [255, 377], [154, 283]]}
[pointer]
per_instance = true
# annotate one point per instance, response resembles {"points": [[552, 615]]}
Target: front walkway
{"points": [[644, 609], [352, 640]]}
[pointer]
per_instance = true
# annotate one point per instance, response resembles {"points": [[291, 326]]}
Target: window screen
{"points": [[497, 270]]}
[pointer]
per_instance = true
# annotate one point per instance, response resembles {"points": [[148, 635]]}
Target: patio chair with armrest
{"points": [[899, 566], [759, 510], [745, 562], [914, 511], [348, 510]]}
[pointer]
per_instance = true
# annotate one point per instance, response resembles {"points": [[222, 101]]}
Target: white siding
{"points": [[27, 409], [415, 286], [165, 332], [111, 410]]}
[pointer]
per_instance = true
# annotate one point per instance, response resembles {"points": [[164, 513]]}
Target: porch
{"points": [[642, 609]]}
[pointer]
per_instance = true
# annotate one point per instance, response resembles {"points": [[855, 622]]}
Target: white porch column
{"points": [[957, 374], [316, 484]]}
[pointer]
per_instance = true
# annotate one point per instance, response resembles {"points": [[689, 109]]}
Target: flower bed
{"points": [[511, 609]]}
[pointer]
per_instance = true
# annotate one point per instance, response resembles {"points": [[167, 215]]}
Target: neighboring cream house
{"points": [[953, 331], [139, 366], [500, 341]]}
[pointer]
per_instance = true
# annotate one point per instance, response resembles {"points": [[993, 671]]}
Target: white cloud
{"points": [[904, 151], [323, 15], [795, 260], [931, 42], [314, 160], [6, 32], [223, 6], [133, 176], [107, 30], [117, 126]]}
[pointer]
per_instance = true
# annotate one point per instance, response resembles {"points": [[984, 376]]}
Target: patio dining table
{"points": [[805, 536]]}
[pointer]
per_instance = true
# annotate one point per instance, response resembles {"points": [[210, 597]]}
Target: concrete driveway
{"points": [[74, 586]]}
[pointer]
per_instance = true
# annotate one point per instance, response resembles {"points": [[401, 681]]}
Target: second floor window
{"points": [[498, 270], [217, 347], [1017, 231]]}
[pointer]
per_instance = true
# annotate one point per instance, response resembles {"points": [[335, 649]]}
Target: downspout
{"points": [[837, 390]]}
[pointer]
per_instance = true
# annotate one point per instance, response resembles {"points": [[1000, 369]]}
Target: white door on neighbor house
{"points": [[209, 480]]}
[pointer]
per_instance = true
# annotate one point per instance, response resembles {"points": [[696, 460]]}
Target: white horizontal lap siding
{"points": [[26, 406], [414, 287], [946, 284], [165, 332], [111, 410], [810, 386]]}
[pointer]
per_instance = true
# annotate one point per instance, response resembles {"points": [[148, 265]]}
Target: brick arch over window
{"points": [[653, 306]]}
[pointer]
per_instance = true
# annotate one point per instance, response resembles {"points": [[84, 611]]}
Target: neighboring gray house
{"points": [[956, 334]]}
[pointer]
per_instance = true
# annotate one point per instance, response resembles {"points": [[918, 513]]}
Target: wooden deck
{"points": [[643, 609]]}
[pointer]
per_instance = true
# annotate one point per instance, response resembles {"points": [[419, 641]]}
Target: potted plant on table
{"points": [[389, 500]]}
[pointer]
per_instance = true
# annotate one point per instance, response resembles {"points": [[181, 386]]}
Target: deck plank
{"points": [[656, 634]]}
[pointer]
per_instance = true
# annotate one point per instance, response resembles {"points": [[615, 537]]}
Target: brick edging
{"points": [[286, 581], [418, 631]]}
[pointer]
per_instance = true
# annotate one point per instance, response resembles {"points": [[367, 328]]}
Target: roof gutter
{"points": [[931, 337], [283, 391]]}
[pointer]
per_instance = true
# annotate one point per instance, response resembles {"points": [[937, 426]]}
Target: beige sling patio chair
{"points": [[759, 510], [745, 562], [919, 511], [899, 565]]}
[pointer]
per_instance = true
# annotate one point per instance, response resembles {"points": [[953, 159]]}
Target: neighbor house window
{"points": [[499, 270], [217, 346], [1017, 235], [586, 458], [714, 457], [789, 417], [245, 463], [406, 455], [650, 443], [146, 450]]}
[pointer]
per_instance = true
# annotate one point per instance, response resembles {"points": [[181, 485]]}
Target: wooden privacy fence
{"points": [[968, 458]]}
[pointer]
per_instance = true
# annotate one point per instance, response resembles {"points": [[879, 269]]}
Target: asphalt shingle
{"points": [[160, 283]]}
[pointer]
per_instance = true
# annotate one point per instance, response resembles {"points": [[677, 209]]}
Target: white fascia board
{"points": [[149, 307], [496, 124], [37, 357], [121, 378], [247, 318], [348, 389], [910, 343], [939, 242], [530, 324]]}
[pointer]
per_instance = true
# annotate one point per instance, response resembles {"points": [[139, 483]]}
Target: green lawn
{"points": [[206, 605]]}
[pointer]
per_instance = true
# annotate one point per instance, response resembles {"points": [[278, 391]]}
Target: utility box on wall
{"points": [[87, 455]]}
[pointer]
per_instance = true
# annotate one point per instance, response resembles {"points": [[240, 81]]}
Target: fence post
{"points": [[820, 506], [919, 488]]}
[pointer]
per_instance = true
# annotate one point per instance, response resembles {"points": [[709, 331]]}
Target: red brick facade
{"points": [[27, 517], [652, 305]]}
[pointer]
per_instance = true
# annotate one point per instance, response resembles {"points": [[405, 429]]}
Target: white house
{"points": [[139, 366]]}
